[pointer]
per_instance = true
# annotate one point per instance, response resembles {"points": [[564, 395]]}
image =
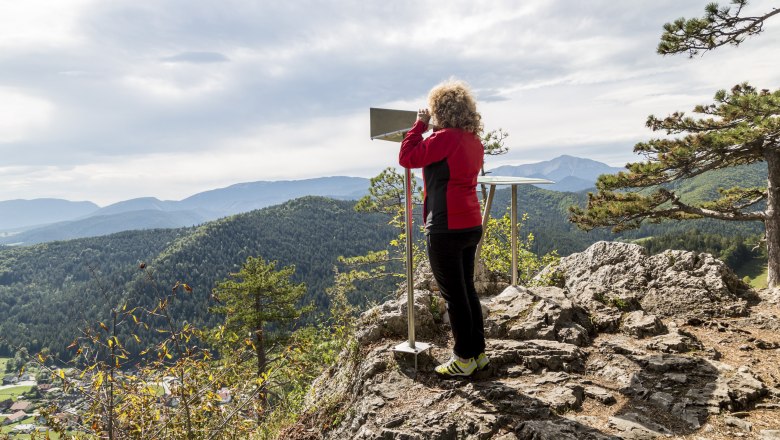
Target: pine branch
{"points": [[718, 27], [703, 212]]}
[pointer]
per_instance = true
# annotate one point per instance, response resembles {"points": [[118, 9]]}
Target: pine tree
{"points": [[720, 26], [259, 301], [741, 127]]}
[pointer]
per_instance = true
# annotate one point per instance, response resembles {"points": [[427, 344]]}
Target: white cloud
{"points": [[171, 87], [22, 115], [40, 23]]}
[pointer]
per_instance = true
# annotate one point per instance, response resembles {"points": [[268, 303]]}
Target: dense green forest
{"points": [[734, 250], [49, 291]]}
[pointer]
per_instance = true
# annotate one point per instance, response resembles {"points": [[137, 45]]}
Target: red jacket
{"points": [[451, 160]]}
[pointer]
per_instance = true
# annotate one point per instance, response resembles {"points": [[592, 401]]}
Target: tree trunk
{"points": [[261, 360], [483, 186], [262, 395], [772, 220]]}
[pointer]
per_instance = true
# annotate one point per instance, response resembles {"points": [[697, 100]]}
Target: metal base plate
{"points": [[419, 347]]}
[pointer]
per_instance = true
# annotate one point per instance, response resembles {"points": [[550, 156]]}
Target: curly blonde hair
{"points": [[452, 105]]}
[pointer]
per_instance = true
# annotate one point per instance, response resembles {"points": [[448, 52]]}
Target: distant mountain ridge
{"points": [[150, 212], [570, 174], [26, 213]]}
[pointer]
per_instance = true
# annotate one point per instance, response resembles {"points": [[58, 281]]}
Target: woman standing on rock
{"points": [[451, 159]]}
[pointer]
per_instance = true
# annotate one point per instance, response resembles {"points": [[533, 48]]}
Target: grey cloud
{"points": [[196, 57]]}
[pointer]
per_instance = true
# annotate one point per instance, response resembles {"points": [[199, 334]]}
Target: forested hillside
{"points": [[49, 291]]}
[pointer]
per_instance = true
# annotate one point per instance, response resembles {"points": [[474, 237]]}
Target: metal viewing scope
{"points": [[392, 125]]}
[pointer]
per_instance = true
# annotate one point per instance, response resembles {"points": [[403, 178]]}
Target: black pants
{"points": [[452, 260]]}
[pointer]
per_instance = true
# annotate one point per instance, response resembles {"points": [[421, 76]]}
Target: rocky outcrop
{"points": [[389, 320], [537, 313], [641, 325], [600, 356], [611, 278]]}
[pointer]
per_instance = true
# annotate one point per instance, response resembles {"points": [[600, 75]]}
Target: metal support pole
{"points": [[486, 216], [409, 260], [513, 234], [410, 346]]}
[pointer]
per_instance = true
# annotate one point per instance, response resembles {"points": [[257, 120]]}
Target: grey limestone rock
{"points": [[538, 355], [637, 427], [561, 429], [641, 325], [563, 398], [600, 394], [389, 320], [744, 389], [489, 283], [769, 434], [676, 341], [611, 277], [537, 313], [738, 423]]}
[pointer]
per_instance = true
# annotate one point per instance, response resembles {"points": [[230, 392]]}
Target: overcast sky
{"points": [[111, 100]]}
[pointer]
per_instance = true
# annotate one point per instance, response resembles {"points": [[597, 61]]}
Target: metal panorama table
{"points": [[494, 181]]}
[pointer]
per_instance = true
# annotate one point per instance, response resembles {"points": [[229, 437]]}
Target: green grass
{"points": [[759, 282], [14, 392], [38, 435], [41, 435], [755, 270]]}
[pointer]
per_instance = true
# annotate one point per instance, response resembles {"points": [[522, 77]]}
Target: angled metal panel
{"points": [[391, 125]]}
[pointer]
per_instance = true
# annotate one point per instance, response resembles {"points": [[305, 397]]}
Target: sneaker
{"points": [[457, 367], [482, 361]]}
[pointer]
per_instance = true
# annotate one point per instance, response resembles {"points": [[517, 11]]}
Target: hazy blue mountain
{"points": [[98, 225], [570, 173], [139, 204], [152, 213], [16, 214], [245, 197]]}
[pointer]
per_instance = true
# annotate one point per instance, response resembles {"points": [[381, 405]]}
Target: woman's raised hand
{"points": [[424, 115]]}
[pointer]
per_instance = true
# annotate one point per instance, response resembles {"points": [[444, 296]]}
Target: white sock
{"points": [[464, 360]]}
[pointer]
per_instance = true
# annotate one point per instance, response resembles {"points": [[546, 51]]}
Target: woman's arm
{"points": [[418, 153]]}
